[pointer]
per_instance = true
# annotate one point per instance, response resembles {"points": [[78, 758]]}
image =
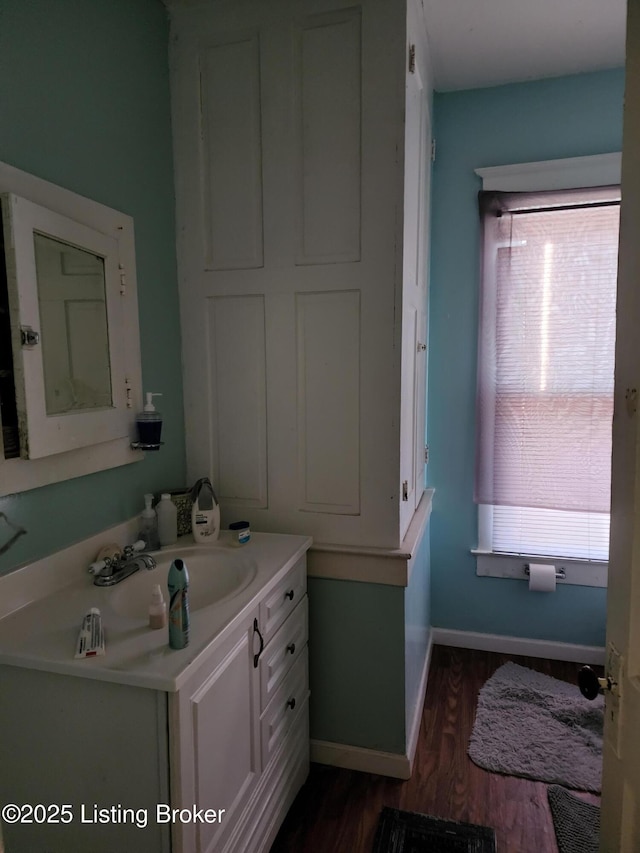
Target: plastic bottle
{"points": [[157, 609], [167, 520], [205, 513], [178, 605], [150, 423], [149, 525]]}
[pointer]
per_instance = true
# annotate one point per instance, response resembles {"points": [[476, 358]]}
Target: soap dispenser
{"points": [[150, 424], [149, 525], [205, 513]]}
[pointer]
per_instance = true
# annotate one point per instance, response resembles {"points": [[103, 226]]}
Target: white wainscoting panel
{"points": [[328, 99], [239, 398], [232, 154], [328, 357]]}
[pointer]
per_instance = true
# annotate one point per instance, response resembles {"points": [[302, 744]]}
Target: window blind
{"points": [[546, 363]]}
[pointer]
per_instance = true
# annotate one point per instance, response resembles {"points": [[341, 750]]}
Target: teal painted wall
{"points": [[356, 664], [548, 119], [367, 647], [84, 103], [417, 624]]}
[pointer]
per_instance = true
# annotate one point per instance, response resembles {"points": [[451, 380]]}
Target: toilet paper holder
{"points": [[561, 575]]}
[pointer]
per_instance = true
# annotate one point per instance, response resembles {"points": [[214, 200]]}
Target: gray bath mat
{"points": [[576, 823], [528, 724], [409, 832]]}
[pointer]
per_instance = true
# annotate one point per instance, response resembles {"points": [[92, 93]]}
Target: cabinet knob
{"points": [[289, 595], [291, 704], [291, 648]]}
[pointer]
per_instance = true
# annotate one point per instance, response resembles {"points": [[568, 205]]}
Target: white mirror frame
{"points": [[18, 475]]}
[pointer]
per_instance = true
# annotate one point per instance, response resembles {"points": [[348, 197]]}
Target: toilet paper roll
{"points": [[542, 578]]}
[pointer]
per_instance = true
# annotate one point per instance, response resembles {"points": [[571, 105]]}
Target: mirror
{"points": [[73, 326]]}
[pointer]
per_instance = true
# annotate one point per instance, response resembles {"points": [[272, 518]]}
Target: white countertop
{"points": [[42, 634]]}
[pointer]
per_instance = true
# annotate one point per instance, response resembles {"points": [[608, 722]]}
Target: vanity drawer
{"points": [[284, 709], [283, 650], [283, 599]]}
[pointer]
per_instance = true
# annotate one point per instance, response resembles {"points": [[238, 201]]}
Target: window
{"points": [[545, 373]]}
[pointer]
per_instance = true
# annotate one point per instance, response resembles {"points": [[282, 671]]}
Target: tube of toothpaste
{"points": [[91, 637]]}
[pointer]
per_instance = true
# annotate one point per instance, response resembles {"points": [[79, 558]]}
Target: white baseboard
{"points": [[356, 758], [518, 646], [414, 730]]}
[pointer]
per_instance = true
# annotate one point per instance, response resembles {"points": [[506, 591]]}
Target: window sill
{"points": [[578, 572]]}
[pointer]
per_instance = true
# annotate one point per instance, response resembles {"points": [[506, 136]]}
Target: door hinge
{"points": [[123, 280], [127, 385], [405, 490], [412, 58], [433, 151], [426, 453]]}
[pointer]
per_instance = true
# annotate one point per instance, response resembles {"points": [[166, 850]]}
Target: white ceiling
{"points": [[490, 42]]}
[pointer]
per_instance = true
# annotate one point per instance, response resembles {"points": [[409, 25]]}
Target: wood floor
{"points": [[337, 810]]}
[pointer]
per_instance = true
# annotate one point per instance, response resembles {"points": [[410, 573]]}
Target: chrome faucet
{"points": [[112, 570]]}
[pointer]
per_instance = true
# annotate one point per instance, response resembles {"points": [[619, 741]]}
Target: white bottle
{"points": [[205, 513], [157, 609], [149, 525], [167, 520]]}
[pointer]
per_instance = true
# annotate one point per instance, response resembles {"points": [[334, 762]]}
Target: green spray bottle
{"points": [[178, 583]]}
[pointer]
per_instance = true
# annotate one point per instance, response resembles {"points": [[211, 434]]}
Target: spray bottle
{"points": [[178, 583]]}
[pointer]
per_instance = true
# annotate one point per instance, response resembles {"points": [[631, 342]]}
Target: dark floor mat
{"points": [[408, 832]]}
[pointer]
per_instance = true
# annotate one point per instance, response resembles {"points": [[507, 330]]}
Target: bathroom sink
{"points": [[215, 574]]}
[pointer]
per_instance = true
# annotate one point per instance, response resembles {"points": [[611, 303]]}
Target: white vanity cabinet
{"points": [[231, 741], [239, 727]]}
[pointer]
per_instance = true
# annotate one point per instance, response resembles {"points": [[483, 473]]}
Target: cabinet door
{"points": [[64, 285], [414, 285], [215, 741], [287, 123]]}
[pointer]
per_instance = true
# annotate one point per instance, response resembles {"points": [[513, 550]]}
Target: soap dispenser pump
{"points": [[149, 422]]}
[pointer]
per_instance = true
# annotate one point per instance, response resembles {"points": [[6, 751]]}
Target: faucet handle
{"points": [[129, 550], [100, 566]]}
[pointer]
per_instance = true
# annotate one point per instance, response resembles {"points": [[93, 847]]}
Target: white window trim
{"points": [[568, 173]]}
